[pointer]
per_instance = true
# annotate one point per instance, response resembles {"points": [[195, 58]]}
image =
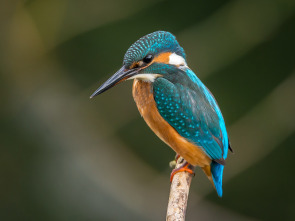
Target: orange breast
{"points": [[144, 99]]}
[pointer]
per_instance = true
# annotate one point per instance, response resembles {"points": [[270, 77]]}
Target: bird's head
{"points": [[148, 58]]}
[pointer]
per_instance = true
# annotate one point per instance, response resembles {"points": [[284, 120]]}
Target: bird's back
{"points": [[188, 106]]}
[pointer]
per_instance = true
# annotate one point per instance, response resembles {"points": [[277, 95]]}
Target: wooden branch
{"points": [[179, 191]]}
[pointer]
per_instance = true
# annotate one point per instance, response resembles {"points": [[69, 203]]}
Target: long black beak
{"points": [[120, 75]]}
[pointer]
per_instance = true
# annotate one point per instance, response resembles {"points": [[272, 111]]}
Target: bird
{"points": [[175, 104]]}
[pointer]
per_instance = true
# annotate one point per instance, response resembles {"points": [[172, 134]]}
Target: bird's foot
{"points": [[184, 167]]}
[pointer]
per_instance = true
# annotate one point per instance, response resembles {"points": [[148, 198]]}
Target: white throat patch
{"points": [[177, 60], [145, 77]]}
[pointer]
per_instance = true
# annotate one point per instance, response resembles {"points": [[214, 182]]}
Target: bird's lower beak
{"points": [[119, 76]]}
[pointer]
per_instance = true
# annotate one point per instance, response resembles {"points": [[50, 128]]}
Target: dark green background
{"points": [[65, 157]]}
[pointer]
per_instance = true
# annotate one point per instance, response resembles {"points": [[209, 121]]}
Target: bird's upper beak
{"points": [[120, 75]]}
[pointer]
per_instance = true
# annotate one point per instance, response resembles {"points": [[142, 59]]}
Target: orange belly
{"points": [[144, 99]]}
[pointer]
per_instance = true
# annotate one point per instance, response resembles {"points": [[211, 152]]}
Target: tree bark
{"points": [[179, 191]]}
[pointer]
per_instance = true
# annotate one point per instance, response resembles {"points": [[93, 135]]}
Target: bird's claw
{"points": [[184, 167]]}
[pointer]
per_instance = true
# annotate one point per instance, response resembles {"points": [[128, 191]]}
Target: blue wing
{"points": [[188, 106]]}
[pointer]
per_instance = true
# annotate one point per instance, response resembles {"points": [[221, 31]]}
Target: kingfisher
{"points": [[175, 104]]}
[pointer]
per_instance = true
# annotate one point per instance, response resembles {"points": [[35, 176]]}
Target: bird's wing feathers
{"points": [[193, 112]]}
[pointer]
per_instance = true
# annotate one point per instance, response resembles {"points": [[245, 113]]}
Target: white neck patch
{"points": [[177, 60], [145, 77]]}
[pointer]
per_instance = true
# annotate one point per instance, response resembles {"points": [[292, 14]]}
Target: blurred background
{"points": [[65, 157]]}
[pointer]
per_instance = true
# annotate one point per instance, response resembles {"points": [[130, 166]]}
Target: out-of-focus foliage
{"points": [[65, 157]]}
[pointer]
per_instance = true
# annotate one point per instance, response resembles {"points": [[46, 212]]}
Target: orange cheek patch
{"points": [[162, 58], [134, 65]]}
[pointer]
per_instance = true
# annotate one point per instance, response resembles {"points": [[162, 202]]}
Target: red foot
{"points": [[184, 167]]}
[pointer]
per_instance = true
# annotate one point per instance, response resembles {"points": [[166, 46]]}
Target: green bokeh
{"points": [[65, 157]]}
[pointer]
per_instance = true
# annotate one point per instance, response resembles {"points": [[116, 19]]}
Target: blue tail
{"points": [[217, 171]]}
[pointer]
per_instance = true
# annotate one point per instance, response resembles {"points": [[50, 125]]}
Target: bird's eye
{"points": [[147, 59]]}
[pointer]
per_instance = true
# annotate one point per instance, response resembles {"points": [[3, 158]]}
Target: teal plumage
{"points": [[189, 107], [192, 115]]}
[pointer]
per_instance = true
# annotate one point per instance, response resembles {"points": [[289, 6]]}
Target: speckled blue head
{"points": [[153, 44], [151, 56]]}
